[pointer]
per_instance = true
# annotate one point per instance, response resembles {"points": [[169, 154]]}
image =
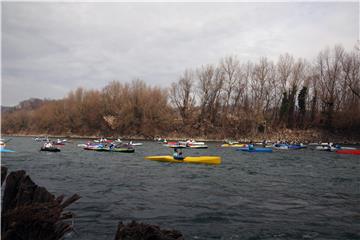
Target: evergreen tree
{"points": [[302, 105]]}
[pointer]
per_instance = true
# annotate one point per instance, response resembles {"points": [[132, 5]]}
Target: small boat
{"points": [[285, 146], [328, 148], [198, 160], [3, 145], [347, 148], [42, 139], [83, 145], [59, 142], [191, 142], [107, 149], [186, 146], [118, 140], [349, 151], [4, 150], [134, 144], [50, 149], [239, 145], [93, 146], [197, 146], [247, 149]]}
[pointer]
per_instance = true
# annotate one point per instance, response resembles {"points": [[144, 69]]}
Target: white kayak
{"points": [[135, 144]]}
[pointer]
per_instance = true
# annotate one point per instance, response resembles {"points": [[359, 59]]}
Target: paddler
{"points": [[178, 154], [251, 146]]}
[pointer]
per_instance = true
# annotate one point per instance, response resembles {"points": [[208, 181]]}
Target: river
{"points": [[299, 194]]}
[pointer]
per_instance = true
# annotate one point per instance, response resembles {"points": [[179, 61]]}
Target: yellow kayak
{"points": [[200, 159], [234, 145]]}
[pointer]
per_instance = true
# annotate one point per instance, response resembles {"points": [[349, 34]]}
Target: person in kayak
{"points": [[251, 146], [48, 145], [178, 154]]}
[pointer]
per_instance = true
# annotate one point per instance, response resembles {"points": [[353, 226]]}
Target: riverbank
{"points": [[304, 136]]}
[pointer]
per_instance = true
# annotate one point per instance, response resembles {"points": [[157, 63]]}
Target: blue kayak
{"points": [[254, 149], [6, 150], [296, 146]]}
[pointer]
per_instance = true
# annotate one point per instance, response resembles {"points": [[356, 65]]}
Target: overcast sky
{"points": [[49, 49]]}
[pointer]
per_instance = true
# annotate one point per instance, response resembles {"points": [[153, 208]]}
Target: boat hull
{"points": [[124, 150], [238, 145], [50, 149], [268, 150], [348, 151], [4, 150], [288, 147], [198, 146]]}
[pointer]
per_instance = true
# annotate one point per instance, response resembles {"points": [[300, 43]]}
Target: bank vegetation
{"points": [[230, 99]]}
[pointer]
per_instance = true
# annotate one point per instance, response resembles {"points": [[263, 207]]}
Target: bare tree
{"points": [[329, 69], [182, 95], [211, 81]]}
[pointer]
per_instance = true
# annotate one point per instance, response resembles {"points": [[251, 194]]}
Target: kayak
{"points": [[125, 150], [348, 151], [50, 149], [289, 146], [239, 145], [82, 145], [326, 148], [191, 142], [199, 160], [347, 148], [255, 150], [93, 147], [198, 146], [191, 146], [135, 144], [5, 150]]}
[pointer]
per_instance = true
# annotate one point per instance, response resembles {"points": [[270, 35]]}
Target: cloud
{"points": [[49, 49]]}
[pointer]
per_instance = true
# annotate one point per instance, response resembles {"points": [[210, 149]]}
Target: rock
{"points": [[142, 231], [3, 174], [31, 212]]}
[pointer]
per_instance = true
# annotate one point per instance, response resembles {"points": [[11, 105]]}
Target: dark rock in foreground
{"points": [[141, 231], [31, 212]]}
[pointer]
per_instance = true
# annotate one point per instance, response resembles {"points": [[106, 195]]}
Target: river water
{"points": [[299, 194]]}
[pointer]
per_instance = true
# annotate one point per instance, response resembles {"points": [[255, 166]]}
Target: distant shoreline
{"points": [[304, 136]]}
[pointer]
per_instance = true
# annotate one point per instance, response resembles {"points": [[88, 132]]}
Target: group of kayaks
{"points": [[104, 145], [100, 145], [286, 146]]}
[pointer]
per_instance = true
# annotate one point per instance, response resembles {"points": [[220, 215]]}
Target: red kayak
{"points": [[355, 152]]}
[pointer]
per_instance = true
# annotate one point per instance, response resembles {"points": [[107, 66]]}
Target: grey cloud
{"points": [[51, 48]]}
